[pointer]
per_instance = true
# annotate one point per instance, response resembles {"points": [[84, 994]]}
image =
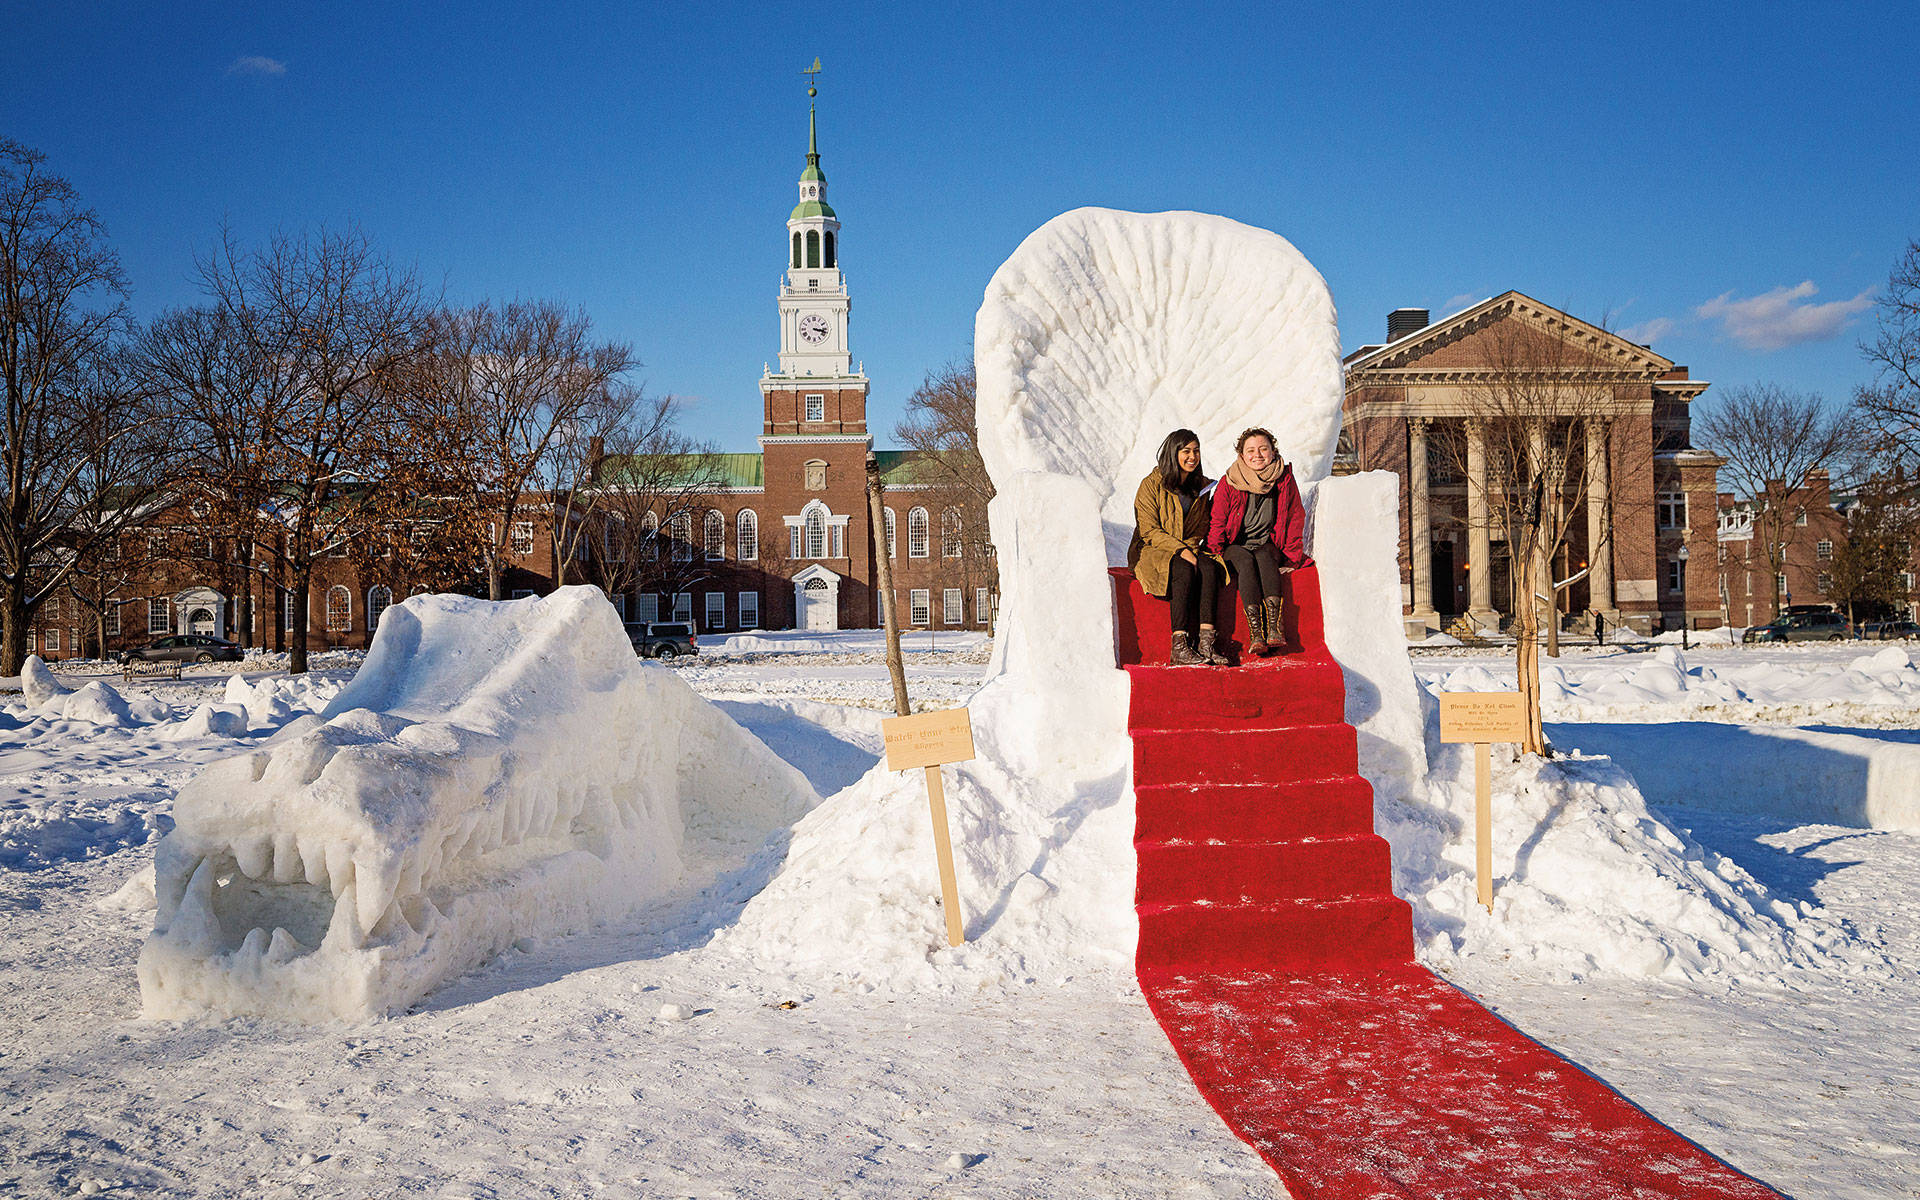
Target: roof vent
{"points": [[1403, 321]]}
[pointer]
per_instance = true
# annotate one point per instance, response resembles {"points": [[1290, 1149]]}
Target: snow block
{"points": [[494, 772]]}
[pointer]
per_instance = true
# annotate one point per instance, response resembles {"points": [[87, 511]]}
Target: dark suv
{"points": [[662, 639], [1802, 627], [187, 647]]}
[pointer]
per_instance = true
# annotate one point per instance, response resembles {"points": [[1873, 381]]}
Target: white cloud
{"points": [[1650, 331], [257, 64], [1777, 319]]}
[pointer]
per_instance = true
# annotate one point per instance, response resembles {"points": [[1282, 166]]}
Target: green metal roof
{"points": [[899, 468], [715, 470], [811, 208]]}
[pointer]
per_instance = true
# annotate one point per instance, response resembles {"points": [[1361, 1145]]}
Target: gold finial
{"points": [[810, 72]]}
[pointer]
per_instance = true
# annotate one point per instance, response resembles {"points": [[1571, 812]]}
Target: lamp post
{"points": [[1682, 556]]}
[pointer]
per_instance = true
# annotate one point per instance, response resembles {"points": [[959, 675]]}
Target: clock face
{"points": [[813, 327]]}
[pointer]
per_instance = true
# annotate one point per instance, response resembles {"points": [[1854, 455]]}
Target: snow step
{"points": [[1299, 691], [1240, 756], [1225, 812], [1355, 933], [1261, 873]]}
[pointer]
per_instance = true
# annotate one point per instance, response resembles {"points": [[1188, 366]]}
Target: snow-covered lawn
{"points": [[552, 1071]]}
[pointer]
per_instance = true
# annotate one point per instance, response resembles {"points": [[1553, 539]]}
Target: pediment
{"points": [[1484, 336]]}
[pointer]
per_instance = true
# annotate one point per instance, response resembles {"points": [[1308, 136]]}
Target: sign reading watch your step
{"points": [[931, 740], [1483, 718]]}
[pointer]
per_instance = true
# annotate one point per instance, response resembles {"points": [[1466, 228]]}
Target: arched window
{"points": [[917, 533], [830, 241], [650, 534], [816, 532], [813, 247], [950, 533], [681, 531], [747, 535], [893, 546], [796, 249], [339, 609], [816, 476], [613, 538], [716, 535], [378, 599]]}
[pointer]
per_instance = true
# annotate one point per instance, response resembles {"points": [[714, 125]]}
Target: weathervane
{"points": [[810, 72]]}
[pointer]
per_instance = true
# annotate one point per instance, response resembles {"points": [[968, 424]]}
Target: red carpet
{"points": [[1280, 963]]}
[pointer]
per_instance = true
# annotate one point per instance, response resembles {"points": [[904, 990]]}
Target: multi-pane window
{"points": [[339, 609], [816, 406], [746, 535], [1906, 581], [716, 539], [917, 533], [1780, 583], [1671, 512], [919, 606], [523, 537], [287, 611], [682, 531], [53, 639], [982, 607], [1800, 517], [1823, 549], [51, 608], [648, 606], [1673, 574], [650, 534], [379, 599], [159, 614], [113, 618], [683, 606], [816, 533], [794, 541], [950, 613], [950, 533], [716, 611], [613, 540], [749, 610], [816, 476], [1823, 582], [337, 549], [893, 550], [619, 604], [836, 541]]}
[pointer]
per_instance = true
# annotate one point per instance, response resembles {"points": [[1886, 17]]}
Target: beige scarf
{"points": [[1255, 483]]}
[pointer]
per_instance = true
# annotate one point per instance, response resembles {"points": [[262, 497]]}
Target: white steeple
{"points": [[813, 295]]}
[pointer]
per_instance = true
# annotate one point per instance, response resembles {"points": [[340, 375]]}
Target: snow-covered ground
{"points": [[552, 1072]]}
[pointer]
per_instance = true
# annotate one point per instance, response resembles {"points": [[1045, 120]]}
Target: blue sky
{"points": [[1729, 182]]}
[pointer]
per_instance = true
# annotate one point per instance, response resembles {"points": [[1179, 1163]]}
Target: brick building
{"points": [[1635, 549]]}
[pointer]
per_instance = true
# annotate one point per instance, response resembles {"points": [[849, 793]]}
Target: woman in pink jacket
{"points": [[1258, 527]]}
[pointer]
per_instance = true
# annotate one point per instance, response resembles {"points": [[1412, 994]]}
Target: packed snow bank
{"points": [[1101, 334], [494, 772], [37, 682]]}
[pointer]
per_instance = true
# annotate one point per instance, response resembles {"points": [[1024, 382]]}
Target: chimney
{"points": [[1403, 321]]}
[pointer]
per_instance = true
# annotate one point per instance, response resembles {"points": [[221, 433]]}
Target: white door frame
{"points": [[816, 595], [199, 597]]}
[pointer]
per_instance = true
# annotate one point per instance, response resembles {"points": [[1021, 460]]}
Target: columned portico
{"points": [[1479, 535], [1599, 525], [1424, 619], [200, 610]]}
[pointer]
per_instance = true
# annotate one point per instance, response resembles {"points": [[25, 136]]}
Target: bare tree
{"points": [[78, 436], [941, 425], [652, 487], [337, 329], [516, 391], [1771, 438], [1890, 405]]}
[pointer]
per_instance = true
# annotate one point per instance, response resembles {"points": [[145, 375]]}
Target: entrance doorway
{"points": [[816, 600], [1445, 596]]}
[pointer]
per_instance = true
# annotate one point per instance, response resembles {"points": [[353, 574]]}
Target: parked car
{"points": [[1824, 626], [185, 647], [662, 639], [1888, 631]]}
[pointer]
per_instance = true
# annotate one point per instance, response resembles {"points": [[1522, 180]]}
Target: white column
{"points": [[1600, 521], [1479, 538], [1420, 525]]}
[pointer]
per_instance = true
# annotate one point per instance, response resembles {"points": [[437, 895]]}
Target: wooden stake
{"points": [[943, 849], [1483, 822]]}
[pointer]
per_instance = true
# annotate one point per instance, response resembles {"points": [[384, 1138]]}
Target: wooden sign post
{"points": [[929, 740], [1483, 718]]}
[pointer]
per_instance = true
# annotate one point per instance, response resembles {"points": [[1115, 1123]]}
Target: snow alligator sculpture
{"points": [[494, 772]]}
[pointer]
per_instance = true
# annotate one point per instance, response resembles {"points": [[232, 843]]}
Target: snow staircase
{"points": [[1279, 962]]}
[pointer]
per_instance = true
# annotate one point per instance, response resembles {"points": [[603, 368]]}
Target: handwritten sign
{"points": [[1482, 716], [928, 739]]}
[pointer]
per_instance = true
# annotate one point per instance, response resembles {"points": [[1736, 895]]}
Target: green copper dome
{"points": [[812, 208]]}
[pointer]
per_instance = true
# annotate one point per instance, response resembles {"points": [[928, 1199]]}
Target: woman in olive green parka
{"points": [[1169, 552]]}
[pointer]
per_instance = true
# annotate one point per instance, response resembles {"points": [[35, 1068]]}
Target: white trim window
{"points": [[1906, 581], [613, 538], [716, 536], [893, 542], [1780, 584], [648, 607], [816, 519], [681, 531], [950, 533], [379, 599], [1823, 549], [1823, 582], [1671, 510], [159, 615], [816, 403], [716, 611], [749, 610], [650, 534], [920, 607], [1674, 574], [917, 533], [951, 614], [794, 539], [523, 538], [836, 541], [982, 606], [683, 606], [620, 604], [287, 612], [50, 610], [339, 609], [746, 536], [52, 639], [112, 617]]}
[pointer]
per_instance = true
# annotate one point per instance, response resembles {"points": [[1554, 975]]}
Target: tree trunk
{"points": [[302, 599], [13, 641], [1527, 645], [495, 582]]}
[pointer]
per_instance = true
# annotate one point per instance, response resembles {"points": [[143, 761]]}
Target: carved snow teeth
{"points": [[374, 892], [255, 856], [347, 931], [339, 866], [287, 867], [283, 947], [314, 859]]}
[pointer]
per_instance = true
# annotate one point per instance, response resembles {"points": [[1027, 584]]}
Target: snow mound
{"points": [[494, 772], [1102, 333], [38, 683], [97, 704], [272, 701], [213, 720]]}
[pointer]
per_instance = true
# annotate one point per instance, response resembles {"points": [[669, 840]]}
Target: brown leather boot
{"points": [[1256, 632], [1206, 648], [1276, 626], [1183, 655]]}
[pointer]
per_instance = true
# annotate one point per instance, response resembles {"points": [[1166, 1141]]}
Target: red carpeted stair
{"points": [[1280, 963]]}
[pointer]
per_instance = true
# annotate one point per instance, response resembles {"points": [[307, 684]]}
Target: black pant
{"points": [[1191, 592], [1256, 572]]}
